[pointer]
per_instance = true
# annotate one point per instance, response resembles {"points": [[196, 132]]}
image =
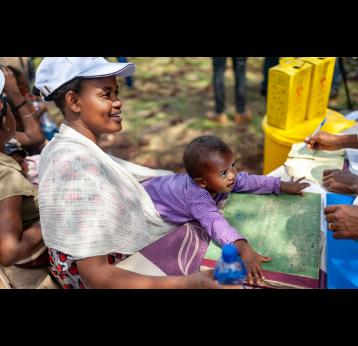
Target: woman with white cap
{"points": [[94, 212], [20, 233]]}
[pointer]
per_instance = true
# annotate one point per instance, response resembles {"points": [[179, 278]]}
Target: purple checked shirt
{"points": [[179, 200]]}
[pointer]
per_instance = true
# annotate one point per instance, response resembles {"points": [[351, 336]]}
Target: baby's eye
{"points": [[233, 165], [224, 174]]}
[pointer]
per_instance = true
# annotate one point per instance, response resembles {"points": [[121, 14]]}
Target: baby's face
{"points": [[221, 173]]}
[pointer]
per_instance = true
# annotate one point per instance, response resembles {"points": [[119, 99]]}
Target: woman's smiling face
{"points": [[100, 107]]}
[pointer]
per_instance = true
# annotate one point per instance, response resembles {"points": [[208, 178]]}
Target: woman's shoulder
{"points": [[9, 168], [68, 154], [13, 183]]}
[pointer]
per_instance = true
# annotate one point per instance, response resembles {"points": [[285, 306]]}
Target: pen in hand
{"points": [[317, 129]]}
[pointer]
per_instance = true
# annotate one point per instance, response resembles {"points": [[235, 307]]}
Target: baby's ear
{"points": [[200, 182]]}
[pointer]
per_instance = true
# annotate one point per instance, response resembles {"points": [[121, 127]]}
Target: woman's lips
{"points": [[116, 117]]}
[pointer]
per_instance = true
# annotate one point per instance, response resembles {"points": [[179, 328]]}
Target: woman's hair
{"points": [[196, 154], [59, 95]]}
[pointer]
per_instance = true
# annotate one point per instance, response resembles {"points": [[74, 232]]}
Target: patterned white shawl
{"points": [[92, 203]]}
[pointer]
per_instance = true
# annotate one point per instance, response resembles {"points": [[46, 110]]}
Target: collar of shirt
{"points": [[8, 161]]}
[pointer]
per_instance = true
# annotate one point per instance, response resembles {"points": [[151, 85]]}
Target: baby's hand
{"points": [[293, 187]]}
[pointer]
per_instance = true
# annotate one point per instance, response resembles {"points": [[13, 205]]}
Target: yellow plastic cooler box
{"points": [[278, 142], [320, 87], [288, 88]]}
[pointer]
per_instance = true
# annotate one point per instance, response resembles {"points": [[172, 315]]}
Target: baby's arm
{"points": [[203, 209], [258, 184]]}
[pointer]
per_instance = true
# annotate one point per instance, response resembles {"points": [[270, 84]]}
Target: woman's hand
{"points": [[335, 180], [204, 279], [343, 221], [11, 86], [293, 187], [326, 141], [252, 261]]}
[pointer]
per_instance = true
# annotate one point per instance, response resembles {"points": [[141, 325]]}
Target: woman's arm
{"points": [[16, 244], [98, 273], [32, 134]]}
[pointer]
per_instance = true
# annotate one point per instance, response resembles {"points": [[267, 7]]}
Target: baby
{"points": [[211, 175]]}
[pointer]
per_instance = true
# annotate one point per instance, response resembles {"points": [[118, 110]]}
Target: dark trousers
{"points": [[239, 64], [268, 63], [129, 80], [337, 76]]}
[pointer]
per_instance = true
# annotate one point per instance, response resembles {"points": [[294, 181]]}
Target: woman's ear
{"points": [[72, 101], [200, 182]]}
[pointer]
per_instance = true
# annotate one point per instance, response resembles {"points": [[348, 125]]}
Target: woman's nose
{"points": [[117, 103]]}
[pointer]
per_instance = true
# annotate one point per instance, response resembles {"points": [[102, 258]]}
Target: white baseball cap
{"points": [[56, 71], [2, 81]]}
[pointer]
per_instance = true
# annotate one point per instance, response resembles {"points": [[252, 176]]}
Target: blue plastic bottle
{"points": [[230, 269]]}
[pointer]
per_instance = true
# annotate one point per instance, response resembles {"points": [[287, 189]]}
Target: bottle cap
{"points": [[229, 253]]}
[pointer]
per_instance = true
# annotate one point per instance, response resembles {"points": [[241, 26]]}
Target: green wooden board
{"points": [[284, 227]]}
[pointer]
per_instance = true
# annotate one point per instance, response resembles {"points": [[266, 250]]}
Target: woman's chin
{"points": [[115, 127]]}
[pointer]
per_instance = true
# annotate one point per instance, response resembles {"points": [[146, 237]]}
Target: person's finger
{"points": [[209, 281], [303, 185], [336, 226], [299, 179], [327, 177], [257, 274], [334, 188], [330, 217], [341, 235], [213, 283], [331, 209], [329, 171], [209, 272], [250, 279], [332, 185], [327, 184], [265, 258]]}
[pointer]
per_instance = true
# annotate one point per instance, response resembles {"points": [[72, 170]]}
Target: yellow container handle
{"points": [[287, 61], [290, 61]]}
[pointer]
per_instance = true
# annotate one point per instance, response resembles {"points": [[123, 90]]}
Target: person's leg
{"points": [[240, 83], [336, 81], [242, 114], [268, 63], [129, 80], [219, 64], [122, 59]]}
